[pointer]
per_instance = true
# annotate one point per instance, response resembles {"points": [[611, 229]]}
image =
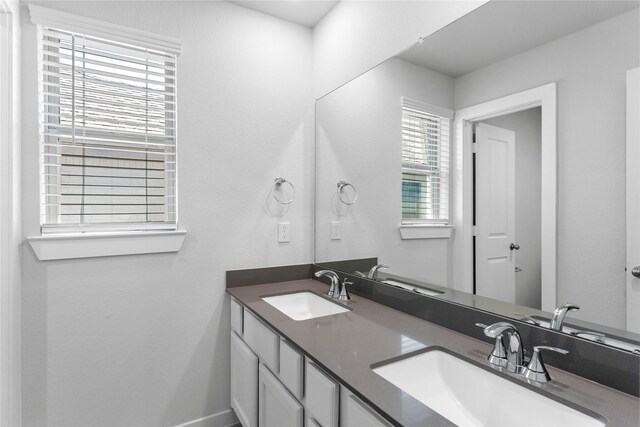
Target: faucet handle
{"points": [[598, 337], [344, 293], [498, 356], [527, 318], [535, 370]]}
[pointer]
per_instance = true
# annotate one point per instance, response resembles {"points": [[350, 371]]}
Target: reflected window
{"points": [[425, 162]]}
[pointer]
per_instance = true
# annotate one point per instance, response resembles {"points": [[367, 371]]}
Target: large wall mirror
{"points": [[486, 165]]}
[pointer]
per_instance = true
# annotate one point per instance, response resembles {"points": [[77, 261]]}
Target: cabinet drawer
{"points": [[321, 396], [355, 413], [291, 365], [236, 317], [262, 340]]}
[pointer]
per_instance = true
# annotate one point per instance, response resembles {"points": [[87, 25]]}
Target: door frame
{"points": [[10, 371], [542, 96], [632, 202]]}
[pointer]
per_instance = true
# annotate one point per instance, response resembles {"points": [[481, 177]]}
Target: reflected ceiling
{"points": [[480, 40]]}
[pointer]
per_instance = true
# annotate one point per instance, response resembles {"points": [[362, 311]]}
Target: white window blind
{"points": [[108, 134], [425, 163]]}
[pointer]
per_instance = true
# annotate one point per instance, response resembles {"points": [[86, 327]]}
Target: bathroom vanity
{"points": [[326, 371]]}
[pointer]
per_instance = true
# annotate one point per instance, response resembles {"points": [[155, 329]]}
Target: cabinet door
{"points": [[276, 408], [244, 382], [321, 396], [355, 413]]}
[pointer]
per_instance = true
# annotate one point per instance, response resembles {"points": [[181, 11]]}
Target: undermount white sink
{"points": [[468, 395], [304, 305]]}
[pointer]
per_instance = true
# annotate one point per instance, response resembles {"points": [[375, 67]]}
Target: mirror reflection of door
{"points": [[507, 194]]}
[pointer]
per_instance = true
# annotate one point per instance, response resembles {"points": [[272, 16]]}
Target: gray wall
{"points": [[589, 67], [144, 340], [358, 140], [527, 126]]}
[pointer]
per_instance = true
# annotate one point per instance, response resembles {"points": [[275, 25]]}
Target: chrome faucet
{"points": [[334, 290], [511, 344], [558, 315], [374, 270]]}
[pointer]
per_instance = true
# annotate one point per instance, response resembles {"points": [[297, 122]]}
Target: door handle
{"points": [[515, 247], [636, 271]]}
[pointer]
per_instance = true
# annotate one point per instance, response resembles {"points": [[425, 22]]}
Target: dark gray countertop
{"points": [[346, 345]]}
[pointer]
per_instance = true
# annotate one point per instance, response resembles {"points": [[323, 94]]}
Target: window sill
{"points": [[90, 245], [425, 231]]}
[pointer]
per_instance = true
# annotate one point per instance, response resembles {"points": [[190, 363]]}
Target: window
{"points": [[425, 163], [107, 134]]}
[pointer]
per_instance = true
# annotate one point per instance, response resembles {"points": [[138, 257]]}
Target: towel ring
{"points": [[277, 184], [341, 186]]}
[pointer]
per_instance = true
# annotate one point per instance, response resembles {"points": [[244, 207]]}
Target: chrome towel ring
{"points": [[277, 185], [342, 185]]}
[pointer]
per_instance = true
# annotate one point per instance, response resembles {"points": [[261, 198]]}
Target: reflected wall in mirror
{"points": [[417, 217]]}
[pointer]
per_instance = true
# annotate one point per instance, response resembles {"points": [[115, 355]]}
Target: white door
{"points": [[633, 199], [495, 212], [244, 382]]}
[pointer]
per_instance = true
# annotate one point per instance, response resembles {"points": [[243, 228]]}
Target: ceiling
{"points": [[501, 29], [303, 12]]}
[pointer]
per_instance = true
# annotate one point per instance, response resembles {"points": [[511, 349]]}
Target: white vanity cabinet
{"points": [[274, 385]]}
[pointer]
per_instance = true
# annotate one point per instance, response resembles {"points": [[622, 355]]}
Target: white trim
{"points": [[414, 104], [545, 97], [89, 245], [10, 354], [79, 24], [425, 231], [633, 201], [221, 419]]}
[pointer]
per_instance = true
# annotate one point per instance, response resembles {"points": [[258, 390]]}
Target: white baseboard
{"points": [[221, 419]]}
